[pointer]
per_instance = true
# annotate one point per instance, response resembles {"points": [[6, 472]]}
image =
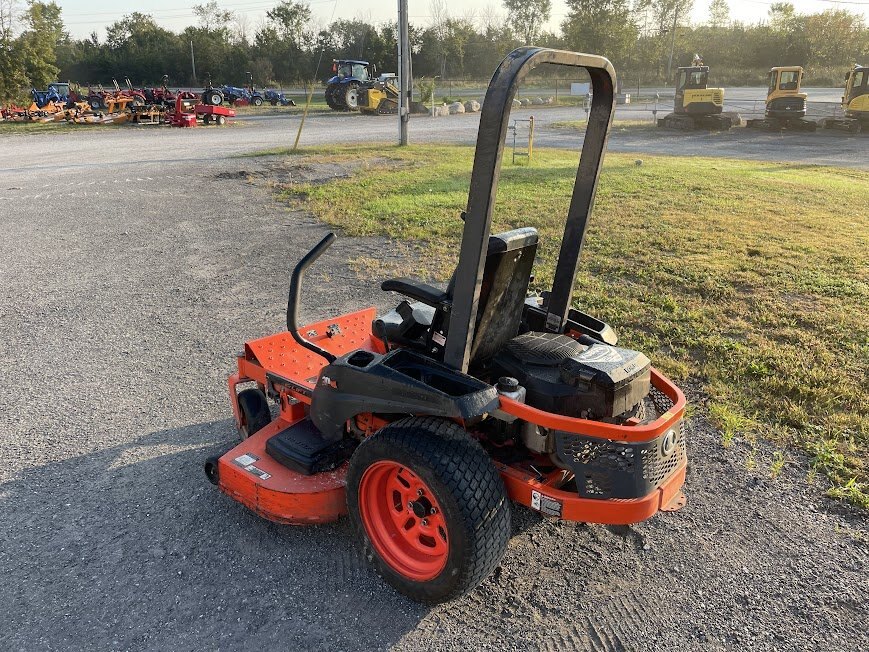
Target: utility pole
{"points": [[404, 83], [192, 62], [672, 41]]}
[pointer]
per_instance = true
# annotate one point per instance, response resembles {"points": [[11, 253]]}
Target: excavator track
{"points": [[387, 106]]}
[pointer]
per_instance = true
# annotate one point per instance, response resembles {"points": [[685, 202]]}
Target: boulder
{"points": [[538, 101], [526, 102], [472, 106], [516, 103], [456, 107], [441, 110]]}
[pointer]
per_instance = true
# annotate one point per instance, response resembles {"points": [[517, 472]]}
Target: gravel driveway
{"points": [[125, 292], [90, 151]]}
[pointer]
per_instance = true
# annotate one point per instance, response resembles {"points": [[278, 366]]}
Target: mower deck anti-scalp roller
{"points": [[423, 422]]}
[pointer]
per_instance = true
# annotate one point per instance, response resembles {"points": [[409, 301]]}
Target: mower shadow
{"points": [[130, 546]]}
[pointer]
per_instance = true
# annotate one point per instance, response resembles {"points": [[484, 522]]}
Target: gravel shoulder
{"points": [[122, 305]]}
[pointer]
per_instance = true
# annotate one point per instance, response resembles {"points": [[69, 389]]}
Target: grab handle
{"points": [[295, 291]]}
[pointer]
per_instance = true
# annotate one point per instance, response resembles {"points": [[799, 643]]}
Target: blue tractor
{"points": [[342, 90], [274, 98], [248, 93], [56, 92]]}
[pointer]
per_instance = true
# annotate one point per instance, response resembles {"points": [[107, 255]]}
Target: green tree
{"points": [[719, 14], [527, 18], [835, 36], [782, 16], [12, 74], [211, 16], [138, 48], [37, 44], [290, 19], [601, 27]]}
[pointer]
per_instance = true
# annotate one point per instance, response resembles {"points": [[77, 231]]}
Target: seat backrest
{"points": [[504, 287]]}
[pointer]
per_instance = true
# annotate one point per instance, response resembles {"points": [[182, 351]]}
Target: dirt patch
{"points": [[303, 169]]}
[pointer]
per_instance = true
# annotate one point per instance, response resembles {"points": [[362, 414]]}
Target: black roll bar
{"points": [[484, 186], [296, 290]]}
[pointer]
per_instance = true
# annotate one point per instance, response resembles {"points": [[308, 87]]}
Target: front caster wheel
{"points": [[255, 412], [429, 507]]}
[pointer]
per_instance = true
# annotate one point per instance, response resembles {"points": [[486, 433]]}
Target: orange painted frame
{"points": [[289, 497]]}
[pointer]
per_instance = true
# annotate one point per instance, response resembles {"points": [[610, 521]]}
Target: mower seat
{"points": [[506, 276], [407, 325]]}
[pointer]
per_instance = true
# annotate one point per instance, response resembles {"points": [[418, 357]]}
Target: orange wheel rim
{"points": [[403, 520]]}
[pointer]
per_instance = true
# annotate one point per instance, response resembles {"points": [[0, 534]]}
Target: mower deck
{"points": [[250, 476], [247, 473]]}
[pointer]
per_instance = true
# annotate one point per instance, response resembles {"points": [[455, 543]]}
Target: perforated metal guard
{"points": [[606, 469]]}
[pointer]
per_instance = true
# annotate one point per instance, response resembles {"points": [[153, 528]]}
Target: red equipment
{"points": [[213, 113], [180, 118]]}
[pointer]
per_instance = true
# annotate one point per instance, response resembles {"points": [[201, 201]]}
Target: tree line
{"points": [[645, 39]]}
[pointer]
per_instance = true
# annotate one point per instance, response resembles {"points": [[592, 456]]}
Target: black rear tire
{"points": [[330, 97], [255, 412], [257, 101], [214, 98], [465, 484]]}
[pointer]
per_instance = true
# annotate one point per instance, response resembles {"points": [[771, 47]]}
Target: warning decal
{"points": [[258, 472], [545, 504], [245, 460]]}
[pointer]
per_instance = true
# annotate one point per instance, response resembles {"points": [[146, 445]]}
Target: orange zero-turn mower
{"points": [[422, 422]]}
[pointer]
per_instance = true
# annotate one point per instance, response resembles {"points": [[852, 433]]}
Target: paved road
{"points": [[133, 149], [132, 267]]}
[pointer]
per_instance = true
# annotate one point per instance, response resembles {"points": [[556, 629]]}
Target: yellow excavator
{"points": [[785, 102], [696, 106], [855, 103]]}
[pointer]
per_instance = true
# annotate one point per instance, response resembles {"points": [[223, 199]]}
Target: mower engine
{"points": [[563, 376]]}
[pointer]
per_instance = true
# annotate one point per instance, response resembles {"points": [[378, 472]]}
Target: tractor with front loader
{"points": [[342, 89], [424, 422], [56, 96], [243, 95]]}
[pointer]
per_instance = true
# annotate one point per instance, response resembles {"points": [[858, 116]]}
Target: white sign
{"points": [[579, 89]]}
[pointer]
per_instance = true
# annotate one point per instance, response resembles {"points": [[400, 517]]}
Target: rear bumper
{"points": [[525, 489], [623, 474]]}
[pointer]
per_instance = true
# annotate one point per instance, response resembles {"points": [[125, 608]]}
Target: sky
{"points": [[85, 16]]}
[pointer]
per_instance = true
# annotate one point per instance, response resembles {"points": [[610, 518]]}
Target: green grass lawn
{"points": [[748, 279], [618, 125], [318, 105], [7, 127]]}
